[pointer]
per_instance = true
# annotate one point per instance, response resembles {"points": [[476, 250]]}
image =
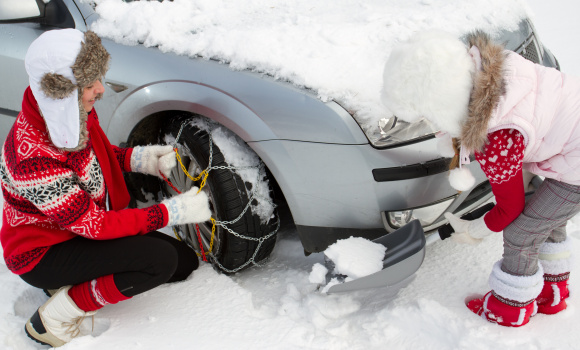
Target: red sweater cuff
{"points": [[127, 164]]}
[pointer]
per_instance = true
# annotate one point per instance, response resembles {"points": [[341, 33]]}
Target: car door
{"points": [[21, 22]]}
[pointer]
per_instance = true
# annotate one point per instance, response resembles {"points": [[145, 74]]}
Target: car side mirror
{"points": [[20, 10]]}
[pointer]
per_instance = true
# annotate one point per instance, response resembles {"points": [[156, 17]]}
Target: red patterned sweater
{"points": [[51, 196], [501, 161]]}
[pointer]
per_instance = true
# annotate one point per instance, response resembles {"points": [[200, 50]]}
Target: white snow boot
{"points": [[57, 321]]}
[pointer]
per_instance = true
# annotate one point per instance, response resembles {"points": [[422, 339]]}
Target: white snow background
{"points": [[277, 307]]}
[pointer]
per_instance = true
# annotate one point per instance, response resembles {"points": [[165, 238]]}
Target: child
{"points": [[512, 114]]}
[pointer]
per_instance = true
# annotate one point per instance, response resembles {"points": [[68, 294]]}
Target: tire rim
{"points": [[183, 183]]}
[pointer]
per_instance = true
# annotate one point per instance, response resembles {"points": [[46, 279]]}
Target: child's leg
{"points": [[544, 215], [556, 259]]}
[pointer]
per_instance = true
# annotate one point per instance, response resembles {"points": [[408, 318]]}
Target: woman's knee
{"points": [[163, 258]]}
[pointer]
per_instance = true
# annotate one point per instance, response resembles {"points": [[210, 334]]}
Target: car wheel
{"points": [[239, 233]]}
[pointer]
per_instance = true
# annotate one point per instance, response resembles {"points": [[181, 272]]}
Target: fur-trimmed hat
{"points": [[430, 76], [60, 63]]}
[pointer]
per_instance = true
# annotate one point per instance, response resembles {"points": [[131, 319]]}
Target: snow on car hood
{"points": [[337, 48]]}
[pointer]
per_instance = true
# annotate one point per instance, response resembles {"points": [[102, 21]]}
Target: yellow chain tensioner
{"points": [[203, 174]]}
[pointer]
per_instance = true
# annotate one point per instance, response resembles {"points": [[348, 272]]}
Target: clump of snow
{"points": [[356, 257], [337, 49], [318, 274]]}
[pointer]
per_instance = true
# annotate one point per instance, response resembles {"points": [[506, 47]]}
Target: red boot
{"points": [[552, 299], [555, 259], [504, 312], [512, 300]]}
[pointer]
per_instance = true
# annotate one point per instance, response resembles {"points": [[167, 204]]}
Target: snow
{"points": [[337, 48], [356, 257], [277, 307], [318, 274]]}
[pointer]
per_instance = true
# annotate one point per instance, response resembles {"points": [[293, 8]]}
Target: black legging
{"points": [[138, 263]]}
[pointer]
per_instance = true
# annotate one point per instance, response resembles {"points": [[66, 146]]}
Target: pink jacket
{"points": [[542, 103]]}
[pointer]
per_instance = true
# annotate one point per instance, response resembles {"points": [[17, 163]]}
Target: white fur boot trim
{"points": [[556, 258], [517, 288]]}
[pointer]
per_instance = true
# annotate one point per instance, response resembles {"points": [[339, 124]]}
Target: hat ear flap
{"points": [[56, 86]]}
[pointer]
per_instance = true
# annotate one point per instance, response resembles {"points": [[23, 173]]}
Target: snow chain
{"points": [[203, 176]]}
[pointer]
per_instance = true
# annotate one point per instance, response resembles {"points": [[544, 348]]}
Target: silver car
{"points": [[325, 174]]}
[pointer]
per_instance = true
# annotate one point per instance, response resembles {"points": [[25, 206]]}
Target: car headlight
{"points": [[393, 132], [427, 214]]}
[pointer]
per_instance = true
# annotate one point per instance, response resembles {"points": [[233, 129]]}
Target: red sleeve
{"points": [[123, 157], [60, 198], [99, 224], [501, 161]]}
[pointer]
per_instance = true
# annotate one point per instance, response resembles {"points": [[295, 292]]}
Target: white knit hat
{"points": [[59, 64], [430, 76]]}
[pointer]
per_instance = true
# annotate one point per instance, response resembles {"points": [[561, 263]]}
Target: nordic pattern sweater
{"points": [[51, 196]]}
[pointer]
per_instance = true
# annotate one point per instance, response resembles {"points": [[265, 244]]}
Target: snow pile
{"points": [[276, 307], [336, 48], [356, 257]]}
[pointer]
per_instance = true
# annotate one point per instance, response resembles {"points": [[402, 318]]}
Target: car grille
{"points": [[530, 50]]}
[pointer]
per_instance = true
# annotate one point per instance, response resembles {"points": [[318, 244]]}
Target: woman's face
{"points": [[91, 94]]}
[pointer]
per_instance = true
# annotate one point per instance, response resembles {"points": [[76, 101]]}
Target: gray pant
{"points": [[543, 220]]}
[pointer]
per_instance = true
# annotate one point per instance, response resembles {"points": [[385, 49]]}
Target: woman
{"points": [[513, 114], [58, 175]]}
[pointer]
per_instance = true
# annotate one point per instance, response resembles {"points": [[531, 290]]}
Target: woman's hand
{"points": [[153, 159]]}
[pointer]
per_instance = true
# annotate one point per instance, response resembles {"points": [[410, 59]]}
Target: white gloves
{"points": [[188, 208], [470, 232], [153, 159]]}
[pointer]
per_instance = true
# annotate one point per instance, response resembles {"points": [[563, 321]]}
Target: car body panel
{"points": [[254, 106], [316, 151]]}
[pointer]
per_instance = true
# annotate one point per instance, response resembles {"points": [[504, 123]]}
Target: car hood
{"points": [[337, 49]]}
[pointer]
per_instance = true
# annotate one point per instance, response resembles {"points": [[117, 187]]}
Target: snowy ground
{"points": [[276, 307]]}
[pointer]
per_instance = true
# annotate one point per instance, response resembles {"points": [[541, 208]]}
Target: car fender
{"points": [[190, 97]]}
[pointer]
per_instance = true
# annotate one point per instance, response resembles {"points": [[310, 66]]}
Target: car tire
{"points": [[245, 239]]}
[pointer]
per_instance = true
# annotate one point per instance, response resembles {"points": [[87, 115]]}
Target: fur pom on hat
{"points": [[60, 63], [461, 179], [430, 76]]}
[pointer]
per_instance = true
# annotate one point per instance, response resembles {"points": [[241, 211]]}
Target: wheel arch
{"points": [[158, 98], [138, 118]]}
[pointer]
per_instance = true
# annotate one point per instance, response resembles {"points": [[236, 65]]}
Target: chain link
{"points": [[224, 224]]}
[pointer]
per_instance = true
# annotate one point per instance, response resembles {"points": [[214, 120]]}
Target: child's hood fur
{"points": [[488, 87]]}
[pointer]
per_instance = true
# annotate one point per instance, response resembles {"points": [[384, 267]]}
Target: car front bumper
{"points": [[335, 191]]}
